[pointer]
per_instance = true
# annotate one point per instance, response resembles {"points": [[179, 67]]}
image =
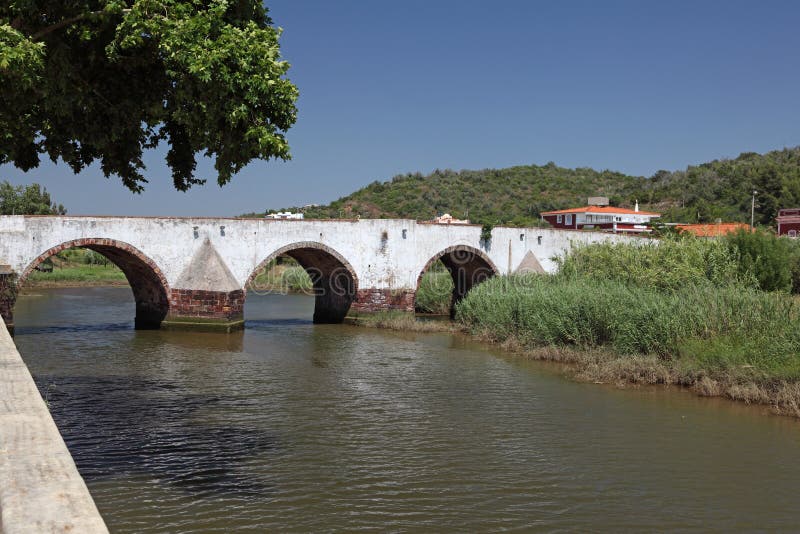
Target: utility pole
{"points": [[753, 209]]}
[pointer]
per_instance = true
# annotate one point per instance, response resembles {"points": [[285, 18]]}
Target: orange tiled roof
{"points": [[602, 209], [712, 229]]}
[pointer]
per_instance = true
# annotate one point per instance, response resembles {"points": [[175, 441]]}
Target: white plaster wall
{"points": [[171, 242]]}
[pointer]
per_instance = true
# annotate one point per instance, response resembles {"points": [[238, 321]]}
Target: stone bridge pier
{"points": [[196, 273]]}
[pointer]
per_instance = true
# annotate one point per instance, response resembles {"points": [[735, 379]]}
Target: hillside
{"points": [[723, 188], [516, 195]]}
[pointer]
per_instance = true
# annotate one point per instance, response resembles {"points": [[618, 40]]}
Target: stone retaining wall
{"points": [[40, 487]]}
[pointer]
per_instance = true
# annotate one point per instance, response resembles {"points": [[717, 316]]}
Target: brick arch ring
{"points": [[285, 250], [99, 243]]}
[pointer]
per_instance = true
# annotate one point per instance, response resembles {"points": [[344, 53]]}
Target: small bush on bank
{"points": [[435, 293], [769, 259]]}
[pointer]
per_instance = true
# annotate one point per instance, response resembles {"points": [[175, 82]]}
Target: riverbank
{"points": [[71, 274], [55, 284], [604, 366]]}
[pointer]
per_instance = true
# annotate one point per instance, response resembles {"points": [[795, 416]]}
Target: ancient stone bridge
{"points": [[196, 272]]}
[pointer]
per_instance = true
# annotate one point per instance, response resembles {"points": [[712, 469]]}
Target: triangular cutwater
{"points": [[207, 271], [529, 264]]}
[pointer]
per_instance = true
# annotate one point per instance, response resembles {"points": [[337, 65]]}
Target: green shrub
{"points": [[435, 292], [766, 257]]}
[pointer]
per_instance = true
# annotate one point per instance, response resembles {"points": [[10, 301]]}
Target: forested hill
{"points": [[516, 195]]}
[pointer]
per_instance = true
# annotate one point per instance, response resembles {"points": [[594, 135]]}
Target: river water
{"points": [[295, 427]]}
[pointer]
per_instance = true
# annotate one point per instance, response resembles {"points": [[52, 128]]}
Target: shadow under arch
{"points": [[335, 281], [148, 283], [468, 267]]}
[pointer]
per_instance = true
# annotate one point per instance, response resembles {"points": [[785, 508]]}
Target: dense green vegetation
{"points": [[689, 326], [773, 262], [27, 200], [669, 264], [517, 195], [105, 80], [723, 188], [758, 260], [514, 195], [435, 291], [283, 275], [79, 274], [77, 266]]}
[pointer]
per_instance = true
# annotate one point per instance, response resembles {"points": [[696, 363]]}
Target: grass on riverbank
{"points": [[404, 321], [729, 341], [286, 276], [69, 275]]}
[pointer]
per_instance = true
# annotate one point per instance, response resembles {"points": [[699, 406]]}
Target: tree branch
{"points": [[66, 22]]}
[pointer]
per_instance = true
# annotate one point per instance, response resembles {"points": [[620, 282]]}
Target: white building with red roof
{"points": [[601, 217]]}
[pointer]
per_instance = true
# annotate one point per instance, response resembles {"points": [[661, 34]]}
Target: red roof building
{"points": [[605, 218], [789, 222], [712, 229]]}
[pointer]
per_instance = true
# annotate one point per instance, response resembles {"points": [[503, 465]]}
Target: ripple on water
{"points": [[295, 427]]}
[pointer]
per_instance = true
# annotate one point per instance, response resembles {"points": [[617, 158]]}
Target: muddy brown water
{"points": [[295, 427]]}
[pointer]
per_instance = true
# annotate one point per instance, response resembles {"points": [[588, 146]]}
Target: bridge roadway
{"points": [[196, 272]]}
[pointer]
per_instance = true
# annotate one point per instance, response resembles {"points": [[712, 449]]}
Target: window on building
{"points": [[568, 219], [792, 233], [559, 219], [618, 219]]}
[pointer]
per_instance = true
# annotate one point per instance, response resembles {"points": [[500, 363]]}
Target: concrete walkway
{"points": [[40, 487]]}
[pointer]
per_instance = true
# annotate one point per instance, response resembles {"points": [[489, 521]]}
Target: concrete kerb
{"points": [[41, 490]]}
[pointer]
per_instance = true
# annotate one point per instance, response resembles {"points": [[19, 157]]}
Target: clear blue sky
{"points": [[388, 88]]}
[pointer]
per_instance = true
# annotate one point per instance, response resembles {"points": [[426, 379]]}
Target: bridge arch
{"points": [[468, 267], [335, 280], [147, 281]]}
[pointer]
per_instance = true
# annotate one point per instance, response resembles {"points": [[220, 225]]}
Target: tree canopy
{"points": [[27, 200], [104, 80]]}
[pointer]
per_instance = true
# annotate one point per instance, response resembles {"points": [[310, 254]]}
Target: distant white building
{"points": [[449, 219], [284, 215]]}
